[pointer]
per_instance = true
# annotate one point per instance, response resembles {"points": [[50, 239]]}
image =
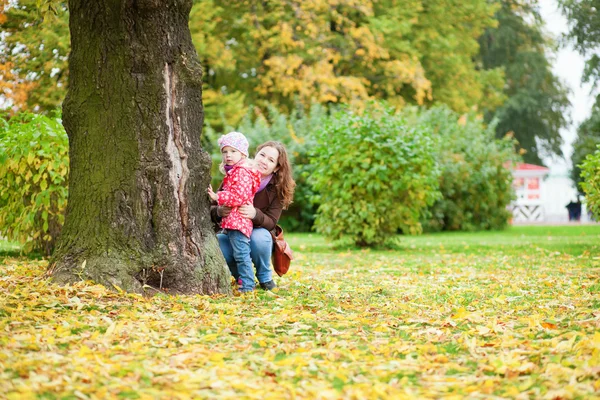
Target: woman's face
{"points": [[266, 159]]}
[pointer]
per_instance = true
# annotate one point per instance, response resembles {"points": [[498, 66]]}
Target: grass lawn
{"points": [[513, 314], [8, 248]]}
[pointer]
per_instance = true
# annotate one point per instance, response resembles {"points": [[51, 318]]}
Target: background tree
{"points": [[281, 52], [584, 33], [536, 99], [414, 52], [33, 54], [137, 210], [445, 35], [588, 138]]}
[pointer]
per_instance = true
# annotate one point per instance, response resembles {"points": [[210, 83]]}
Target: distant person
{"points": [[577, 214], [571, 210], [574, 209]]}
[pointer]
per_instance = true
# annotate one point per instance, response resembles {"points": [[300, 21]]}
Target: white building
{"points": [[542, 196]]}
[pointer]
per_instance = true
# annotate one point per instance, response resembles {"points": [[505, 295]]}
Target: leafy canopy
{"points": [[283, 52], [536, 100], [584, 33], [33, 54], [349, 51]]}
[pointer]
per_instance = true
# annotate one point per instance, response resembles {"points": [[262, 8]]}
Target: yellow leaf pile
{"points": [[354, 324]]}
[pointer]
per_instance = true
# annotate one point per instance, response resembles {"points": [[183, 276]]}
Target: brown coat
{"points": [[268, 208]]}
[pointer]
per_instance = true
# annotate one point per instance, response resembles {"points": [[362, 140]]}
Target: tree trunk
{"points": [[138, 211]]}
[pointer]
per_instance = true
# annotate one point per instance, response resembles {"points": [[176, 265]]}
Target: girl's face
{"points": [[230, 155], [266, 160]]}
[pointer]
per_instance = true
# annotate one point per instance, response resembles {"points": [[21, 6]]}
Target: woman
{"points": [[274, 195]]}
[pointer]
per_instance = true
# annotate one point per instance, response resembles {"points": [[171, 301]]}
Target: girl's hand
{"points": [[212, 194], [247, 211]]}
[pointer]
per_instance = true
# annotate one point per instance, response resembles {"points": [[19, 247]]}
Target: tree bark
{"points": [[138, 212]]}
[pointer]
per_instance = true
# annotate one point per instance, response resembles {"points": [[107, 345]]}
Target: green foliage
{"points": [[277, 52], [475, 183], [588, 138], [470, 158], [590, 172], [445, 38], [537, 100], [374, 175], [34, 167], [346, 52], [33, 54], [584, 33], [295, 132]]}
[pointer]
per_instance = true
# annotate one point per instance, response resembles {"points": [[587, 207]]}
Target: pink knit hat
{"points": [[236, 140]]}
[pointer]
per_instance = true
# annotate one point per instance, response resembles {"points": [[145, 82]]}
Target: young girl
{"points": [[240, 184]]}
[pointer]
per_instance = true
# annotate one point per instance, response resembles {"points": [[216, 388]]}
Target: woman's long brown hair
{"points": [[283, 178]]}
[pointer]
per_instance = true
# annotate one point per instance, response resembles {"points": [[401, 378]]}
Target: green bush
{"points": [[590, 172], [34, 167], [295, 132], [475, 181], [374, 175]]}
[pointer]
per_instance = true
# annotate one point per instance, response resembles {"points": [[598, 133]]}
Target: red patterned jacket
{"points": [[238, 188]]}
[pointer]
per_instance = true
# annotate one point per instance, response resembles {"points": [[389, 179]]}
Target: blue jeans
{"points": [[261, 246]]}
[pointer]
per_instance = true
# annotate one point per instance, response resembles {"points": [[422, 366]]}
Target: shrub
{"points": [[295, 132], [590, 172], [34, 166], [476, 180], [374, 175]]}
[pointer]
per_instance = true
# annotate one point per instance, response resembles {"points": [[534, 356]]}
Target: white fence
{"points": [[529, 212]]}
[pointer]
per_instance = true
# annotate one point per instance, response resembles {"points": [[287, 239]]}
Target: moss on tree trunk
{"points": [[138, 210]]}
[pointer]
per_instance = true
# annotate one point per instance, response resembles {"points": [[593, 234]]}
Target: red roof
{"points": [[530, 167]]}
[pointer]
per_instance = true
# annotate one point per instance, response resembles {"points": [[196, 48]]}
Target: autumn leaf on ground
{"points": [[479, 322]]}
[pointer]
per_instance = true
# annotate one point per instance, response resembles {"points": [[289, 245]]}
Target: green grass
{"points": [[9, 248], [478, 315], [569, 239]]}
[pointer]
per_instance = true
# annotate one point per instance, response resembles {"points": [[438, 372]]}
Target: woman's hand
{"points": [[223, 211], [247, 211]]}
